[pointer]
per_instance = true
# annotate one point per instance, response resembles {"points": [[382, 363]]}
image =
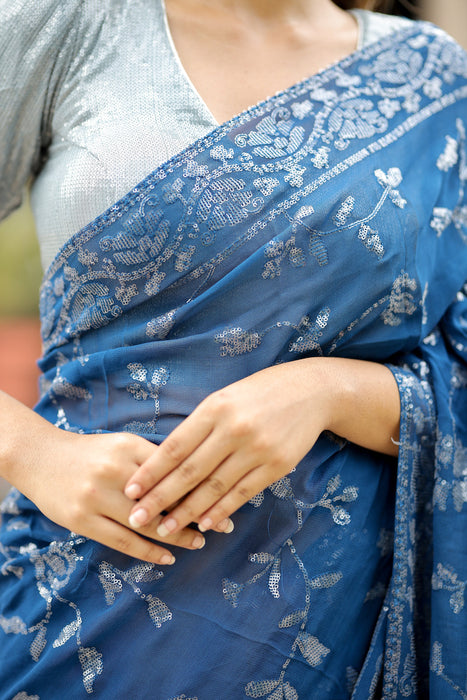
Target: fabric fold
{"points": [[298, 229]]}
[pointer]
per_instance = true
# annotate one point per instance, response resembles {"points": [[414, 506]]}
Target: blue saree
{"points": [[330, 219]]}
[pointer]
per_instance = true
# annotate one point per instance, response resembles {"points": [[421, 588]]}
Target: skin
{"points": [[238, 52], [246, 436]]}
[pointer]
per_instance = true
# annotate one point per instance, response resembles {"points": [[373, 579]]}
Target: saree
{"points": [[328, 220]]}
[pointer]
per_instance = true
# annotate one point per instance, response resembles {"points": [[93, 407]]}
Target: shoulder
{"points": [[375, 26], [49, 20]]}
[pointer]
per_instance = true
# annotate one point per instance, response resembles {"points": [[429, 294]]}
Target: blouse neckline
{"points": [[199, 104]]}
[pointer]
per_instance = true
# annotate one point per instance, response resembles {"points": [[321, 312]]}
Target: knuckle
{"points": [[154, 501], [88, 491], [261, 444], [105, 467], [188, 512], [245, 493], [123, 543], [188, 471], [173, 448], [145, 477], [149, 552], [279, 459], [240, 427], [122, 440], [218, 402], [216, 485]]}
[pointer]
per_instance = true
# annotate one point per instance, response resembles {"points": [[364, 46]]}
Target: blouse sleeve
{"points": [[37, 41]]}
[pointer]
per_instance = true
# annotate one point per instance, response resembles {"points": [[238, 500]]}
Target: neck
{"points": [[276, 11]]}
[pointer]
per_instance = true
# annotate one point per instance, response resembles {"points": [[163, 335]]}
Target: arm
{"points": [[242, 438], [77, 480]]}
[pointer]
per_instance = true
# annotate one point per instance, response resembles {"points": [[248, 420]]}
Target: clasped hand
{"points": [[238, 441]]}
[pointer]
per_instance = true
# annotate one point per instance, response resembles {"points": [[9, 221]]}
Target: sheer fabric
{"points": [[328, 220]]}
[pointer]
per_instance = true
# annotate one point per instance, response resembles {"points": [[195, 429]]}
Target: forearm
{"points": [[362, 402], [23, 434]]}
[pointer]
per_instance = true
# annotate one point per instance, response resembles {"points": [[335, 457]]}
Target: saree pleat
{"points": [[329, 220]]}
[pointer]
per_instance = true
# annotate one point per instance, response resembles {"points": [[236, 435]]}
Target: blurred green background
{"points": [[20, 268]]}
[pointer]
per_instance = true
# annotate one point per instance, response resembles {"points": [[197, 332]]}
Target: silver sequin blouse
{"points": [[93, 97]]}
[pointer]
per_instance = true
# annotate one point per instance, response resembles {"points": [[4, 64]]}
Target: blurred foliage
{"points": [[20, 267]]}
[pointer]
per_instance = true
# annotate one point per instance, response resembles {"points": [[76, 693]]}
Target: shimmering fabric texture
{"points": [[98, 100], [328, 220]]}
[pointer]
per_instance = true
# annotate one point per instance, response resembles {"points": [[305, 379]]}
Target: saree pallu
{"points": [[329, 220]]}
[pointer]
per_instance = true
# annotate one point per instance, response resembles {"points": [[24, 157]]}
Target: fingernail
{"points": [[133, 491], [167, 527], [138, 518], [168, 559], [198, 542], [226, 526], [205, 524]]}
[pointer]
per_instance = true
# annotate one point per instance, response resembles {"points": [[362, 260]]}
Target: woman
{"points": [[278, 304]]}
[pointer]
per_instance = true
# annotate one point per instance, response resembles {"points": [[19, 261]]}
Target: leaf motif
{"points": [[274, 578], [91, 665], [333, 484], [158, 611], [38, 643], [282, 488], [257, 500], [326, 580], [436, 661], [13, 625], [109, 582], [67, 633], [349, 494], [141, 573], [292, 619], [456, 601], [261, 558], [232, 590], [311, 648], [258, 689], [289, 692], [340, 516]]}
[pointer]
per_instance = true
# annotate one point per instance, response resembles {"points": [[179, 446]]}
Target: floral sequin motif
{"points": [[270, 569], [54, 568], [146, 386], [295, 229], [455, 154], [112, 580]]}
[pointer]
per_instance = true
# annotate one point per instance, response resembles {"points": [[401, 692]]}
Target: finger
{"points": [[117, 508], [116, 536], [181, 481], [174, 450], [216, 485], [243, 491], [135, 447]]}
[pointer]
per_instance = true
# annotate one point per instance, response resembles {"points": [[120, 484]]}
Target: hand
{"points": [[77, 481], [237, 442], [242, 438]]}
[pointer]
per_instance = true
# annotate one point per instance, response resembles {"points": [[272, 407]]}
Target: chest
{"points": [[232, 68]]}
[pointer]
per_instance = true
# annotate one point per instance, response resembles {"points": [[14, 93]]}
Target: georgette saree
{"points": [[330, 219]]}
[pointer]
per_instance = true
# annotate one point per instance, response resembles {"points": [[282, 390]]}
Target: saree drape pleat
{"points": [[329, 220]]}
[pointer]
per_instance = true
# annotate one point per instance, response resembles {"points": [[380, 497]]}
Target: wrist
{"points": [[359, 401], [337, 393], [25, 436]]}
